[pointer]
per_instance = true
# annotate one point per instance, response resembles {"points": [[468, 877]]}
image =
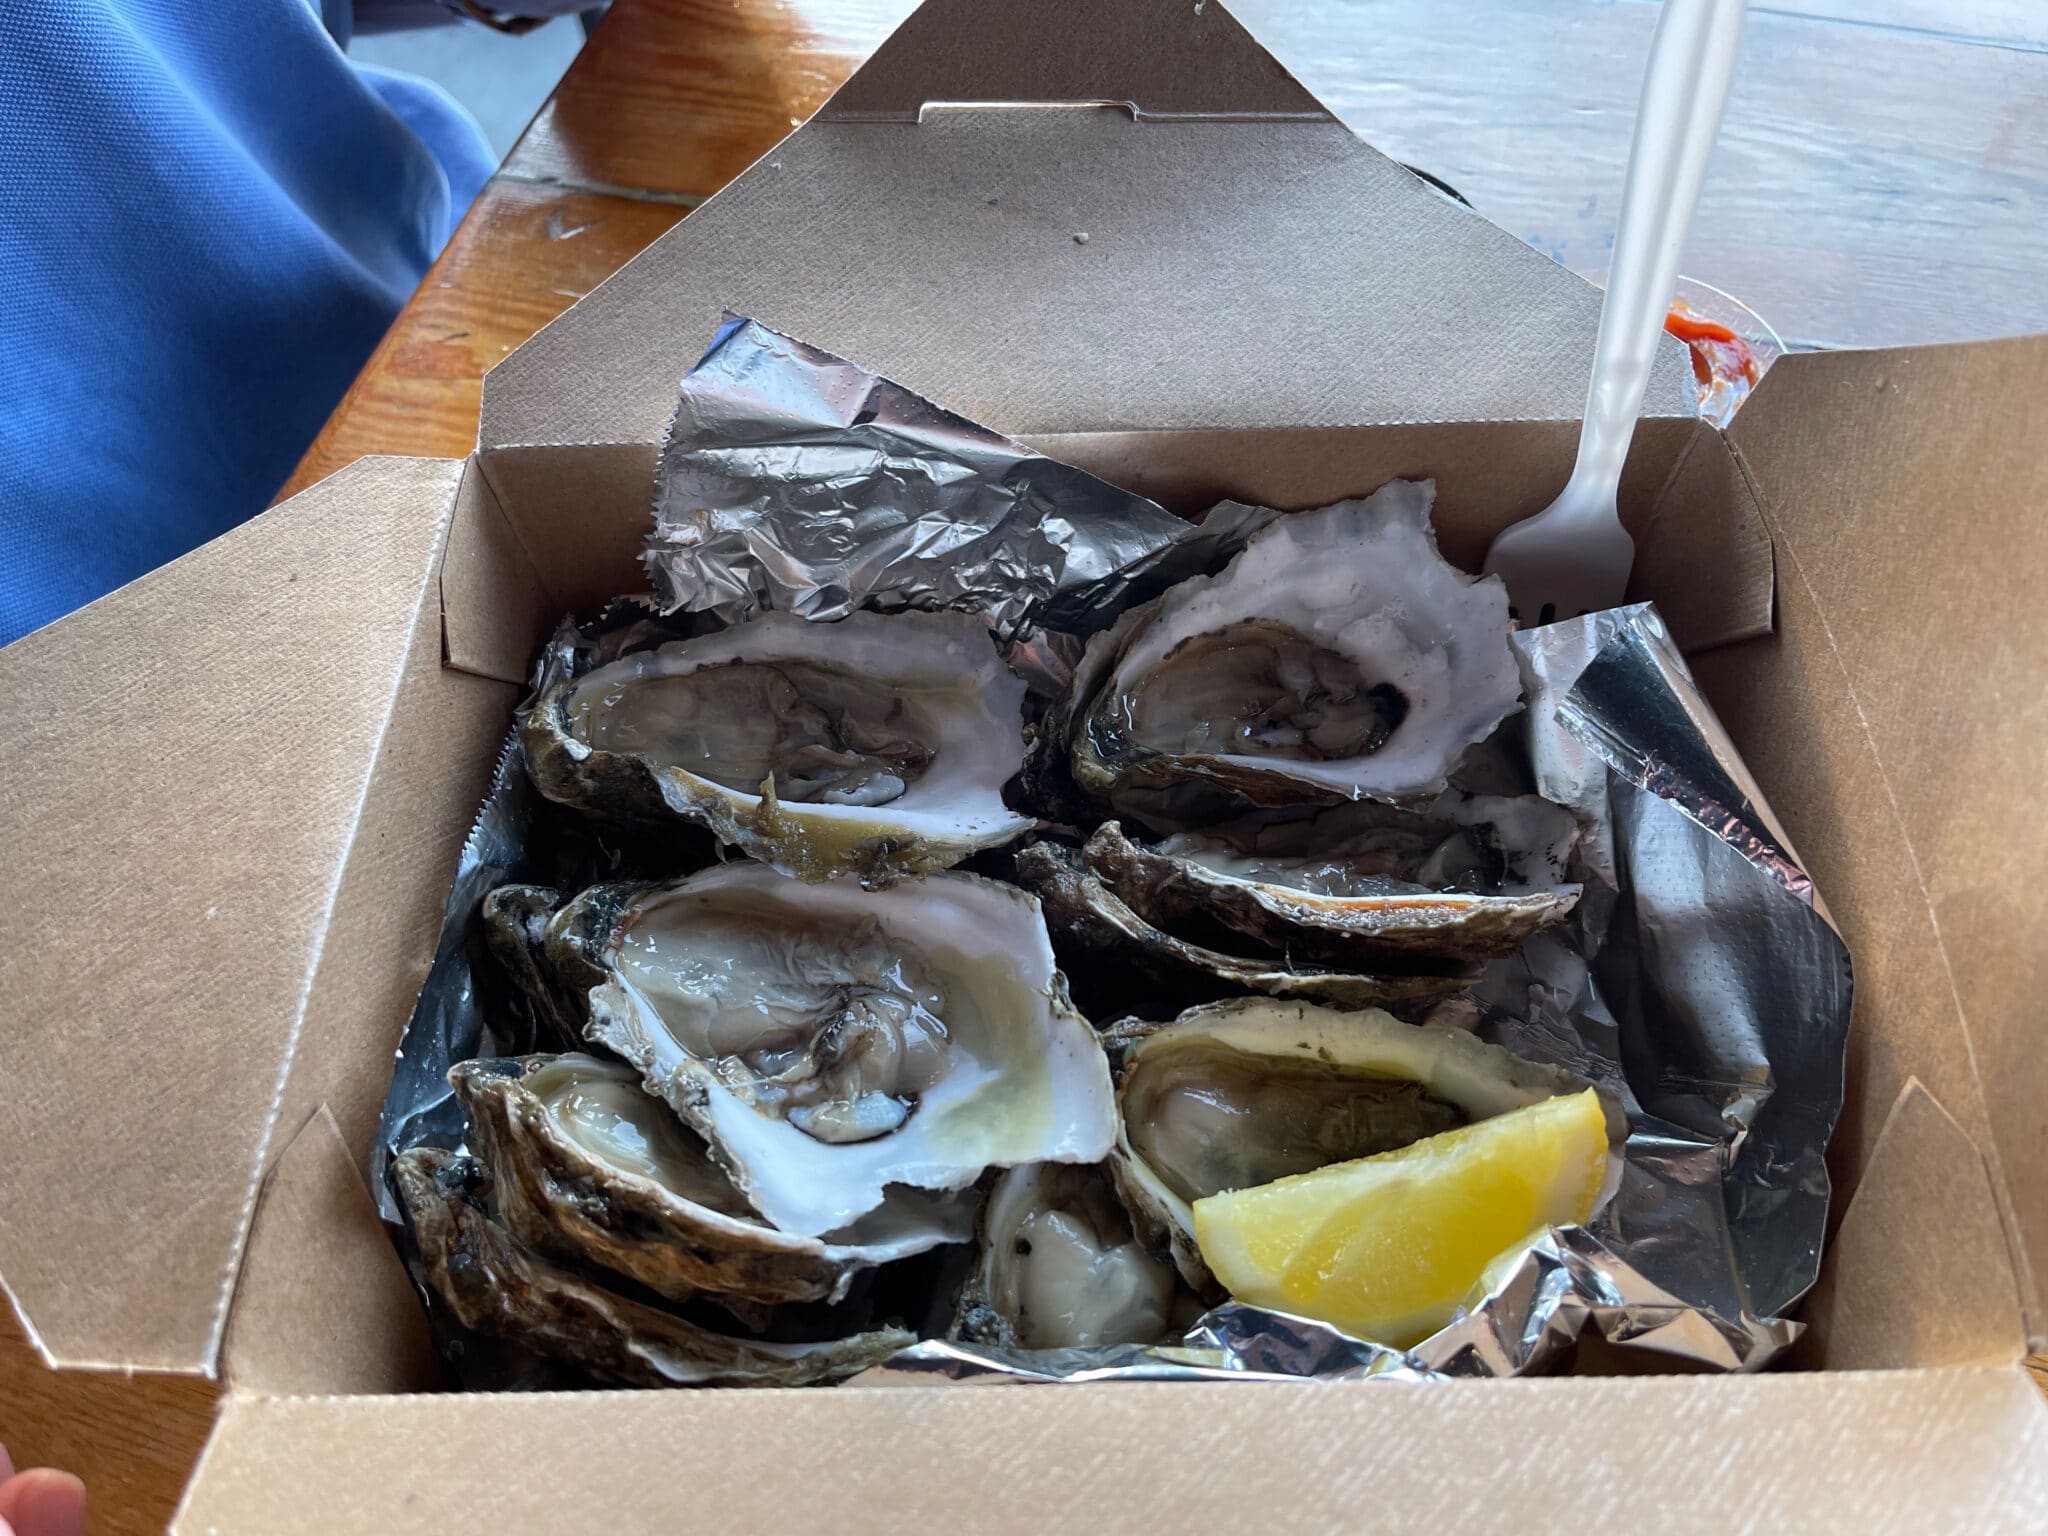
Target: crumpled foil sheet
{"points": [[794, 480], [1699, 981], [448, 1024]]}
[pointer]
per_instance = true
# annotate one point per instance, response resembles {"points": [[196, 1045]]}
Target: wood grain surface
{"points": [[1883, 177], [1862, 139], [132, 1438], [525, 253]]}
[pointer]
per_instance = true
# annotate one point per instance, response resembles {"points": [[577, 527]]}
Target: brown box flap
{"points": [[1919, 1273], [1905, 1450], [185, 762], [323, 1304], [496, 607], [1165, 60], [1904, 491], [592, 556], [1073, 269]]}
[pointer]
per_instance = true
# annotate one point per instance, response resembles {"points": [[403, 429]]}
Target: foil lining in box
{"points": [[1700, 979]]}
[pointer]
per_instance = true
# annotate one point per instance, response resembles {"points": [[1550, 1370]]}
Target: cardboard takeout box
{"points": [[234, 792]]}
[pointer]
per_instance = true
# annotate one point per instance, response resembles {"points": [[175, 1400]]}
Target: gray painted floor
{"points": [[502, 80]]}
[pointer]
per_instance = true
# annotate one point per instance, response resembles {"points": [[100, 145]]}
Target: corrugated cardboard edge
{"points": [[1919, 1273], [1165, 58], [324, 1303], [148, 1315], [1858, 1451], [1704, 554], [590, 557], [821, 238], [1843, 428], [496, 603]]}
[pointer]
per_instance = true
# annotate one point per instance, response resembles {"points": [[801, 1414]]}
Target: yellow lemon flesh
{"points": [[1388, 1246]]}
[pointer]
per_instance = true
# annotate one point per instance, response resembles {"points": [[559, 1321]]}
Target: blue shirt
{"points": [[208, 217]]}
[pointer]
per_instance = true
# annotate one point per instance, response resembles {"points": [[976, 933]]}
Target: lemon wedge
{"points": [[1386, 1247]]}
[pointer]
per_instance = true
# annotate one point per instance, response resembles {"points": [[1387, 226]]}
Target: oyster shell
{"points": [[1094, 923], [590, 1167], [491, 1285], [1337, 656], [875, 746], [1360, 882], [1241, 1093], [829, 1042], [515, 927], [1059, 1267]]}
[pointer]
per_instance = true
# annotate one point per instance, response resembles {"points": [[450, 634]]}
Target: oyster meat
{"points": [[875, 746], [1149, 967], [491, 1285], [1473, 878], [830, 1042], [1241, 1093], [1338, 656], [1059, 1267], [589, 1167]]}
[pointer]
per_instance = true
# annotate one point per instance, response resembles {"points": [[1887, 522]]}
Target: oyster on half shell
{"points": [[491, 1285], [1097, 927], [1241, 1093], [876, 746], [1059, 1267], [1338, 656], [830, 1042], [1473, 878], [590, 1167]]}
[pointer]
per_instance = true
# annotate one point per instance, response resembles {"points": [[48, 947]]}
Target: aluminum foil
{"points": [[792, 479], [448, 1023], [1699, 981]]}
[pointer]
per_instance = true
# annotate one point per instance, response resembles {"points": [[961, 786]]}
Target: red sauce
{"points": [[1722, 364]]}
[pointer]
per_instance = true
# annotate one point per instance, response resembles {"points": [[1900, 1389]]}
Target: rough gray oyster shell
{"points": [[1097, 928], [491, 1285], [1359, 883], [875, 746], [515, 923], [589, 1167], [1338, 656]]}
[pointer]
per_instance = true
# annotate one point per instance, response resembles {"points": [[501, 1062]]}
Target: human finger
{"points": [[40, 1502]]}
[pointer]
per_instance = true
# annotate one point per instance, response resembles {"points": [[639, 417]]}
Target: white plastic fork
{"points": [[1574, 556]]}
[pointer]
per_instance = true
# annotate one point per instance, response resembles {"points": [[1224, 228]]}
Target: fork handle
{"points": [[1692, 57]]}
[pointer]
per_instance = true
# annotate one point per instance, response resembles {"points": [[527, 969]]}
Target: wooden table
{"points": [[1882, 179]]}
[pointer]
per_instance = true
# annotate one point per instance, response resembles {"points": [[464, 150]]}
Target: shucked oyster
{"points": [[1337, 656], [830, 1042], [1059, 1267], [1148, 966], [875, 746], [493, 1286], [1242, 1093], [588, 1166], [1471, 879]]}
